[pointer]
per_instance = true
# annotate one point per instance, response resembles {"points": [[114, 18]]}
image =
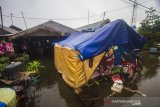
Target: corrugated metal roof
{"points": [[8, 30], [93, 26], [51, 26], [59, 27], [15, 28]]}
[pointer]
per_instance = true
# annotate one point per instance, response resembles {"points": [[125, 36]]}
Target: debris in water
{"points": [[135, 91], [113, 93]]}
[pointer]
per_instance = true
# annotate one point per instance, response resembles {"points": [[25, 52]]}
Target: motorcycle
{"points": [[132, 67]]}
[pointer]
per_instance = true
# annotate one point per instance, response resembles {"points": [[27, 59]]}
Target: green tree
{"points": [[150, 28]]}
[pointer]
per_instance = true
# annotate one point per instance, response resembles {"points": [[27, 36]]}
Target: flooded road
{"points": [[54, 92]]}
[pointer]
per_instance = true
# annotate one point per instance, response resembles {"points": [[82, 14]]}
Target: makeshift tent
{"points": [[72, 54]]}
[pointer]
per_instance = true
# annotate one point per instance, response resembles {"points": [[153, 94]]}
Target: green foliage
{"points": [[2, 67], [34, 66], [150, 28], [4, 60], [23, 58], [20, 59]]}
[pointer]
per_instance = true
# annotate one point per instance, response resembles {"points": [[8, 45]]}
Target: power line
{"points": [[135, 6], [119, 9], [145, 2], [127, 2], [139, 3], [143, 6], [40, 18], [80, 18]]}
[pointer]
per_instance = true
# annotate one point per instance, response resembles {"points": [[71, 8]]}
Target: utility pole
{"points": [[11, 18], [3, 31], [2, 22], [134, 14], [104, 15], [24, 20], [88, 17]]}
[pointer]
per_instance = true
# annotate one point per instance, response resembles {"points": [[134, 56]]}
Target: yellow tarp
{"points": [[8, 96], [75, 72]]}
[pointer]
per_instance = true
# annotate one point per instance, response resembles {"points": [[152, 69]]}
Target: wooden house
{"points": [[37, 40]]}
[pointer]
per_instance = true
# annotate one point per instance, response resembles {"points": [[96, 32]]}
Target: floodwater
{"points": [[54, 92]]}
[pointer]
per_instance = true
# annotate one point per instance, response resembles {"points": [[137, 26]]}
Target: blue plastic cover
{"points": [[90, 44], [2, 104]]}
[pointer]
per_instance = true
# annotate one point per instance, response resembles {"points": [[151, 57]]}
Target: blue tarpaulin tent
{"points": [[77, 56], [90, 44]]}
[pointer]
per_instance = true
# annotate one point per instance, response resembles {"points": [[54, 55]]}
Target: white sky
{"points": [[67, 9]]}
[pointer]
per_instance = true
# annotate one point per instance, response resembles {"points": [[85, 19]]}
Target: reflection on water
{"points": [[151, 63], [54, 92]]}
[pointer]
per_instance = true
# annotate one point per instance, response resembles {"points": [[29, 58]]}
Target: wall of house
{"points": [[42, 33], [37, 43], [3, 32]]}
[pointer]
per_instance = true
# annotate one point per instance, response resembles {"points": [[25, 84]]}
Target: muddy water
{"points": [[54, 92]]}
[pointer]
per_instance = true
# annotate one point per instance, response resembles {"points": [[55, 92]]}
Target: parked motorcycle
{"points": [[132, 67]]}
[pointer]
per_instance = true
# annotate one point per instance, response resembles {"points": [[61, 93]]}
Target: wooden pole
{"points": [[2, 22], [2, 30]]}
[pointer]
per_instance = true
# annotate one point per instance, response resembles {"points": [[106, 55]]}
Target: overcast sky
{"points": [[71, 9]]}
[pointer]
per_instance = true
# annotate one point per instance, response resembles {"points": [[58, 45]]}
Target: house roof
{"points": [[15, 28], [7, 30], [93, 26], [59, 27], [51, 26]]}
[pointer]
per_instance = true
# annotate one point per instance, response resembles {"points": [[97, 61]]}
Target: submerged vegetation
{"points": [[2, 67], [23, 58], [34, 66], [4, 60]]}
